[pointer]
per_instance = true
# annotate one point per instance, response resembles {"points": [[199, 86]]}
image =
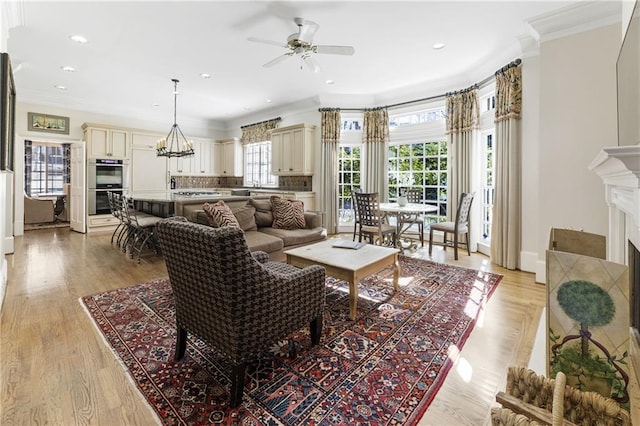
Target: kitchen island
{"points": [[163, 204]]}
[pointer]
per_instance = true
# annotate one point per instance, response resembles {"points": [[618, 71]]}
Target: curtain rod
{"points": [[261, 122], [482, 83]]}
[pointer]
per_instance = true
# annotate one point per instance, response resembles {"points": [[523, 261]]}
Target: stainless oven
{"points": [[105, 175]]}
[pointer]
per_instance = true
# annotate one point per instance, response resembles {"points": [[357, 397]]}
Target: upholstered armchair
{"points": [[236, 301], [38, 210]]}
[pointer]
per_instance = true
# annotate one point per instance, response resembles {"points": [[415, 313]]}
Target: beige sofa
{"points": [[255, 218]]}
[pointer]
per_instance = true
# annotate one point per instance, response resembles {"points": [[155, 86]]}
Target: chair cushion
{"points": [[220, 215], [287, 214], [447, 227], [259, 241], [264, 212]]}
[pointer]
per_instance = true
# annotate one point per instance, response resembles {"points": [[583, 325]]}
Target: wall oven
{"points": [[104, 175]]}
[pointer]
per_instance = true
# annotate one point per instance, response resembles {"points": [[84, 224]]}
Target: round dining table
{"points": [[406, 216]]}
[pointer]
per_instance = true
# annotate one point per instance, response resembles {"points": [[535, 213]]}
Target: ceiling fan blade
{"points": [[334, 50], [265, 41], [276, 60], [311, 63], [307, 29]]}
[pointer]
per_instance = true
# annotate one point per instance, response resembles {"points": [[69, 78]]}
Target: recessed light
{"points": [[155, 105], [438, 46], [268, 101], [59, 87], [330, 81], [68, 69], [78, 39], [205, 75]]}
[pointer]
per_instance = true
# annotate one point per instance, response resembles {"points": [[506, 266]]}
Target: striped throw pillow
{"points": [[220, 215], [287, 214]]}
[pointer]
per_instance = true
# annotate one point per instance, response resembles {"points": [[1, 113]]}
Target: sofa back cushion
{"points": [[263, 214], [246, 218], [287, 214], [220, 215]]}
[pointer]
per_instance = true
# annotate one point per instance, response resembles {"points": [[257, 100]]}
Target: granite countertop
{"points": [[169, 196]]}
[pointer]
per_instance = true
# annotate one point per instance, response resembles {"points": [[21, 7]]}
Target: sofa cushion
{"points": [[287, 214], [293, 237], [263, 242], [264, 212], [246, 218], [220, 215]]}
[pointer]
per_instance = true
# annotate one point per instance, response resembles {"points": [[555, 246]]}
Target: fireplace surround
{"points": [[619, 169]]}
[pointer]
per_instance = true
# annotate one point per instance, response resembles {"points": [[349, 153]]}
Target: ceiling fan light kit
{"points": [[301, 44], [175, 144]]}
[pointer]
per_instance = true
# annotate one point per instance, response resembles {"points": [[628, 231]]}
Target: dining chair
{"points": [[354, 206], [414, 195], [458, 228], [371, 223]]}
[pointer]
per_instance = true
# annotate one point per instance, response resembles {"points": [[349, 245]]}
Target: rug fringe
{"points": [[121, 363]]}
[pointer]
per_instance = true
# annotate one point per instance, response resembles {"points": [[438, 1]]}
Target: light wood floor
{"points": [[57, 370]]}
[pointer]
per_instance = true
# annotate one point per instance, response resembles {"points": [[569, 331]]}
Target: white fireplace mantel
{"points": [[619, 168]]}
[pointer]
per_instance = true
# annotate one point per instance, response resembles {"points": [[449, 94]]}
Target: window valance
{"points": [[258, 132]]}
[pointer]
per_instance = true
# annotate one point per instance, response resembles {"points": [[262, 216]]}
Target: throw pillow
{"points": [[264, 212], [220, 215], [245, 216], [287, 214]]}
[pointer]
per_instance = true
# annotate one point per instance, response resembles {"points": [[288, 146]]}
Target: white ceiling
{"points": [[136, 48]]}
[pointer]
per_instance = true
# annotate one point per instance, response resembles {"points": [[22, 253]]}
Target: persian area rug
{"points": [[383, 368]]}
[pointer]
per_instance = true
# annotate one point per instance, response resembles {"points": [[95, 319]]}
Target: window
{"points": [[348, 180], [47, 168], [420, 165], [487, 184], [257, 167], [426, 116]]}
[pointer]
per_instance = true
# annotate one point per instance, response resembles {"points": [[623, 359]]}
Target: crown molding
{"points": [[574, 19]]}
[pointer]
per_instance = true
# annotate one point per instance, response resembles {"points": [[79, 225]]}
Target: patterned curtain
{"points": [[462, 121], [28, 155], [375, 152], [258, 132], [66, 163], [506, 225], [330, 139]]}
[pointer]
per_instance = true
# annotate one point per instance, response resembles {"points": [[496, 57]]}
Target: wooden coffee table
{"points": [[347, 264]]}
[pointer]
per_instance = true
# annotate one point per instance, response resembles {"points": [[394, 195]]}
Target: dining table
{"points": [[405, 216]]}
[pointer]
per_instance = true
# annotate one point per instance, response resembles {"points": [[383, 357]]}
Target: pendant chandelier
{"points": [[175, 144]]}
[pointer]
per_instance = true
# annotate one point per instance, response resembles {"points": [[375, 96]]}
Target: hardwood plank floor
{"points": [[57, 370]]}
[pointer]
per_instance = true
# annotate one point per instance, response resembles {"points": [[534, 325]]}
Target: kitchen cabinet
{"points": [[199, 164], [203, 159], [148, 171], [308, 198], [106, 142], [292, 150], [228, 158]]}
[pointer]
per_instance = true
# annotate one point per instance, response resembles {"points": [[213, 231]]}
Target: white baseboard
{"points": [[538, 360], [541, 271], [3, 281], [528, 260], [8, 245]]}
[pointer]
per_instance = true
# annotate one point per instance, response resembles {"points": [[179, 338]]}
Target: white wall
{"points": [[577, 119]]}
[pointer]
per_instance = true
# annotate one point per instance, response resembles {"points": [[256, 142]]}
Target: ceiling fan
{"points": [[301, 44]]}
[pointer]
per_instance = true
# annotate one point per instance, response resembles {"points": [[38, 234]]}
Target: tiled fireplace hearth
{"points": [[619, 168]]}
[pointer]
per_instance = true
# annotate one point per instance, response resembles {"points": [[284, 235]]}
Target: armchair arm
{"points": [[260, 256]]}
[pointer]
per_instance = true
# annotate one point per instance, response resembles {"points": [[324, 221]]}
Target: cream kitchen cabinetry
{"points": [[106, 142], [149, 172], [307, 197], [228, 158], [292, 150], [203, 158], [199, 164]]}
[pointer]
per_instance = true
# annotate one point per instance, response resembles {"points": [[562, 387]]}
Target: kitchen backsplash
{"points": [[285, 183]]}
